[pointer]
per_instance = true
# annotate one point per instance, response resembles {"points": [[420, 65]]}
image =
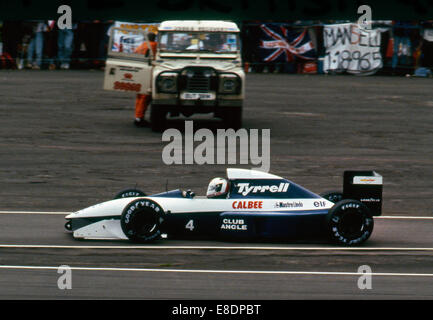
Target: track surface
{"points": [[66, 144], [400, 255]]}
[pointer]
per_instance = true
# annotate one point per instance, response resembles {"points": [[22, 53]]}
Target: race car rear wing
{"points": [[365, 186]]}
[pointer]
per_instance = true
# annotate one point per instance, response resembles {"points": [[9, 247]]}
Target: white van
{"points": [[197, 69]]}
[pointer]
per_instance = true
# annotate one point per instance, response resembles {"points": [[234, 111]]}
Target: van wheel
{"points": [[141, 220], [233, 118], [158, 118], [349, 222]]}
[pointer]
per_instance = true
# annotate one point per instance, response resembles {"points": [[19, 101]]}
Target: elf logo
{"points": [[245, 188]]}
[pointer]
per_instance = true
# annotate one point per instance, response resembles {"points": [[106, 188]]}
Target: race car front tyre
{"points": [[130, 193], [349, 222], [68, 225], [141, 220], [333, 196]]}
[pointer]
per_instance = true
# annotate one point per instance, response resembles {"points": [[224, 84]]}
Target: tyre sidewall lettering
{"points": [[134, 208], [130, 193], [336, 217]]}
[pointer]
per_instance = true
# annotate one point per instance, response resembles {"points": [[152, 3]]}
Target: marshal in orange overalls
{"points": [[142, 100]]}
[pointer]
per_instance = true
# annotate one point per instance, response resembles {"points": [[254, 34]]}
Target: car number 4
{"points": [[190, 225]]}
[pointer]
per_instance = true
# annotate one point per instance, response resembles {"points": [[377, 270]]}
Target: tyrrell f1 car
{"points": [[247, 205]]}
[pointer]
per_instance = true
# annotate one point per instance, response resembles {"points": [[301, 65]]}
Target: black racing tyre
{"points": [[349, 222], [141, 220], [333, 196], [158, 118], [233, 118], [130, 193]]}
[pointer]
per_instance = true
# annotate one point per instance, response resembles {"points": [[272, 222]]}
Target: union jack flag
{"points": [[282, 45]]}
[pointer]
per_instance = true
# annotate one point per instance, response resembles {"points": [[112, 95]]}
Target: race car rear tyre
{"points": [[141, 220], [349, 222], [333, 196], [158, 118], [130, 193]]}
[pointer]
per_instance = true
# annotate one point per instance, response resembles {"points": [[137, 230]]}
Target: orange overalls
{"points": [[142, 100]]}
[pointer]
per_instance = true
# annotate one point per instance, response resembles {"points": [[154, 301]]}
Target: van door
{"points": [[126, 68]]}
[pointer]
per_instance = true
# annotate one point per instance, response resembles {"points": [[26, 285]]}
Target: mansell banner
{"points": [[124, 41], [351, 48]]}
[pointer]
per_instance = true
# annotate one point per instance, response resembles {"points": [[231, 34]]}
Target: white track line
{"points": [[221, 271], [144, 247], [35, 212], [401, 217], [66, 213]]}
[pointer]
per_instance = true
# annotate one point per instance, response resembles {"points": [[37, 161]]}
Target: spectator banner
{"points": [[280, 44], [352, 49], [124, 41]]}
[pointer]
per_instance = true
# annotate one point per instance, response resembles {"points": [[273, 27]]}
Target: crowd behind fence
{"points": [[42, 45], [405, 47]]}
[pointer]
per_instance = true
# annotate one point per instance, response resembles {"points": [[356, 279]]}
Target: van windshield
{"points": [[213, 42]]}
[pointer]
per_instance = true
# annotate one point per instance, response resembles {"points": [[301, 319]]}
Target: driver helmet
{"points": [[218, 188]]}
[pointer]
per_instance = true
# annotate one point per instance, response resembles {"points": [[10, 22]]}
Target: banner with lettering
{"points": [[351, 48]]}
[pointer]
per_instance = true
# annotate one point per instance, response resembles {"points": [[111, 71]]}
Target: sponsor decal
{"points": [[368, 180], [370, 200], [129, 69], [247, 205], [293, 204], [127, 86], [245, 188], [234, 224], [318, 204], [127, 76]]}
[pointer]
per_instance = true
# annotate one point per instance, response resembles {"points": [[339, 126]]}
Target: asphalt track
{"points": [[66, 144]]}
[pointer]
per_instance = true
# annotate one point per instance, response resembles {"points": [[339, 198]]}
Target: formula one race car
{"points": [[248, 205]]}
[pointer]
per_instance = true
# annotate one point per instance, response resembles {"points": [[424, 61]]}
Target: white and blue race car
{"points": [[247, 205]]}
